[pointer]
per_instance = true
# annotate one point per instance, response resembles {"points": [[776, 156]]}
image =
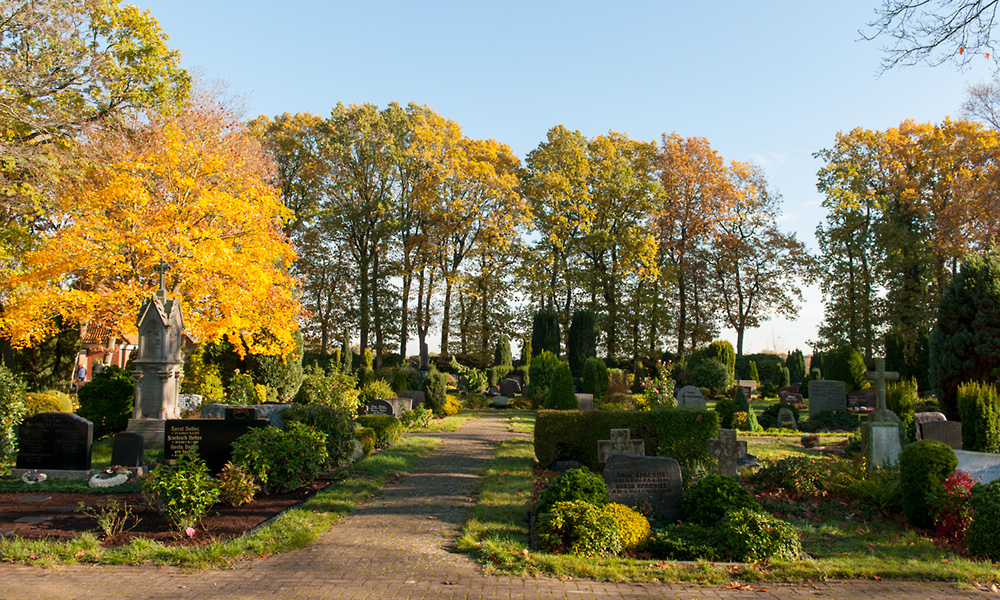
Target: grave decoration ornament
{"points": [[111, 477], [32, 477]]}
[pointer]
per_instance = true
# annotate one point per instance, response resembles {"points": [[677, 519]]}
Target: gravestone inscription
{"points": [[54, 440], [377, 407], [213, 437], [638, 480]]}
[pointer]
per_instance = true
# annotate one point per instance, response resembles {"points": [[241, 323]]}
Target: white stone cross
{"points": [[728, 450], [880, 376], [620, 443]]}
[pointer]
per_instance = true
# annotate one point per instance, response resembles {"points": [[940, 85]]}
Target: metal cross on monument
{"points": [[162, 268]]}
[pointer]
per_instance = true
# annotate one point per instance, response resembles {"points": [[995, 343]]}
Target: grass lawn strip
{"points": [[839, 545], [292, 529]]}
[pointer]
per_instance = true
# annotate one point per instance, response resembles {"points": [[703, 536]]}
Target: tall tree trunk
{"points": [[376, 308], [404, 314], [446, 316]]}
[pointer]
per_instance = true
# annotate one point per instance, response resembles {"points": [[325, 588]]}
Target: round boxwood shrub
{"points": [[281, 460], [579, 527], [923, 467], [107, 401], [711, 374], [747, 535], [575, 484], [845, 364], [388, 429], [683, 541], [633, 527], [708, 500], [983, 535], [51, 401]]}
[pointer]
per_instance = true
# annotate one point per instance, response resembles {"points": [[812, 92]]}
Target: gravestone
{"points": [[565, 463], [270, 411], [214, 438], [863, 398], [880, 376], [728, 450], [690, 397], [926, 417], [790, 389], [949, 432], [377, 407], [881, 443], [510, 388], [786, 418], [792, 400], [159, 364], [240, 413], [127, 450], [54, 441], [985, 465], [492, 391], [499, 401], [621, 442], [417, 396], [748, 384], [640, 480], [585, 401], [826, 394]]}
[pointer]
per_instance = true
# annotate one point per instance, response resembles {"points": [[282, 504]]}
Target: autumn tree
{"points": [[696, 191], [757, 268], [189, 188]]}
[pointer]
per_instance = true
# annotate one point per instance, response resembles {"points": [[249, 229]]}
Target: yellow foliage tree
{"points": [[190, 189]]}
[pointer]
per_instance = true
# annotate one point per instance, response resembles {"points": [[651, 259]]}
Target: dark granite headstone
{"points": [[863, 398], [54, 440], [214, 438], [637, 480], [510, 388], [377, 407], [417, 396], [925, 417], [949, 432], [127, 450], [792, 400], [492, 391], [827, 395], [565, 463]]}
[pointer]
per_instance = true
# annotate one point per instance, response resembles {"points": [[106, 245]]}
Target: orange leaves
{"points": [[191, 189]]}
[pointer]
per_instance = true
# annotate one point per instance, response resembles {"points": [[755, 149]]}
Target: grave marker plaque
{"points": [[377, 407], [214, 438], [690, 397], [636, 480], [54, 440], [127, 449]]}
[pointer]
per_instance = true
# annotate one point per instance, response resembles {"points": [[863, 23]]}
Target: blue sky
{"points": [[771, 82]]}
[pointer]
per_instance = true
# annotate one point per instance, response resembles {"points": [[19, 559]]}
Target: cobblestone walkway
{"points": [[398, 546]]}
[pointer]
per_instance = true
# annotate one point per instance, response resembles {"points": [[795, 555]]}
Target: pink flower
{"points": [[190, 531]]}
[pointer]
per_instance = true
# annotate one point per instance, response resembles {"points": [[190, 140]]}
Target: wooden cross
{"points": [[880, 376], [728, 450], [620, 443]]}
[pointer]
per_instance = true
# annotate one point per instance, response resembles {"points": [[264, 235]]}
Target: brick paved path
{"points": [[397, 546]]}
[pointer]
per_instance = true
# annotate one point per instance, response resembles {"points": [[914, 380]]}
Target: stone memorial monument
{"points": [[827, 394], [880, 436], [690, 397], [158, 367], [728, 450], [638, 481]]}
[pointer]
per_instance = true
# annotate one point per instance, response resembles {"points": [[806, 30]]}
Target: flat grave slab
{"points": [[32, 520], [33, 498]]}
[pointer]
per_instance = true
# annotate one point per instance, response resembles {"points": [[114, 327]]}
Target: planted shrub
{"points": [[336, 424], [845, 364], [979, 411], [579, 527], [710, 374], [236, 486], [560, 395], [502, 355], [545, 334], [387, 428], [543, 368], [436, 392], [107, 401], [953, 507], [329, 387], [378, 389], [923, 467], [633, 527], [418, 418], [901, 398], [832, 419], [12, 412], [581, 343], [708, 500], [575, 484], [796, 366], [184, 492], [726, 408], [683, 541], [281, 460], [595, 377], [366, 436], [50, 401], [798, 476], [752, 371], [747, 535], [983, 535]]}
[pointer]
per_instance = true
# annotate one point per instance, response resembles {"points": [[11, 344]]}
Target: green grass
{"points": [[293, 529], [774, 448], [845, 540]]}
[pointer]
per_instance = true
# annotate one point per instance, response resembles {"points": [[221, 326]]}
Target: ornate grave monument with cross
{"points": [[880, 436], [158, 367]]}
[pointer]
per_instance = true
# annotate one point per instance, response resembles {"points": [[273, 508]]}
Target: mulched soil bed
{"points": [[65, 522]]}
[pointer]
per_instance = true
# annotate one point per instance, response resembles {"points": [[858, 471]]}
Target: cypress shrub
{"points": [[983, 535], [979, 411], [582, 341], [901, 398], [784, 377], [345, 350], [436, 392], [502, 355], [595, 379], [796, 363], [12, 411], [543, 367], [560, 395], [923, 467], [545, 333], [752, 372], [845, 364], [965, 342]]}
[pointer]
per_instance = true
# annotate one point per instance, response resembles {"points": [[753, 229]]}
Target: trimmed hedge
{"points": [[678, 433], [388, 429]]}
